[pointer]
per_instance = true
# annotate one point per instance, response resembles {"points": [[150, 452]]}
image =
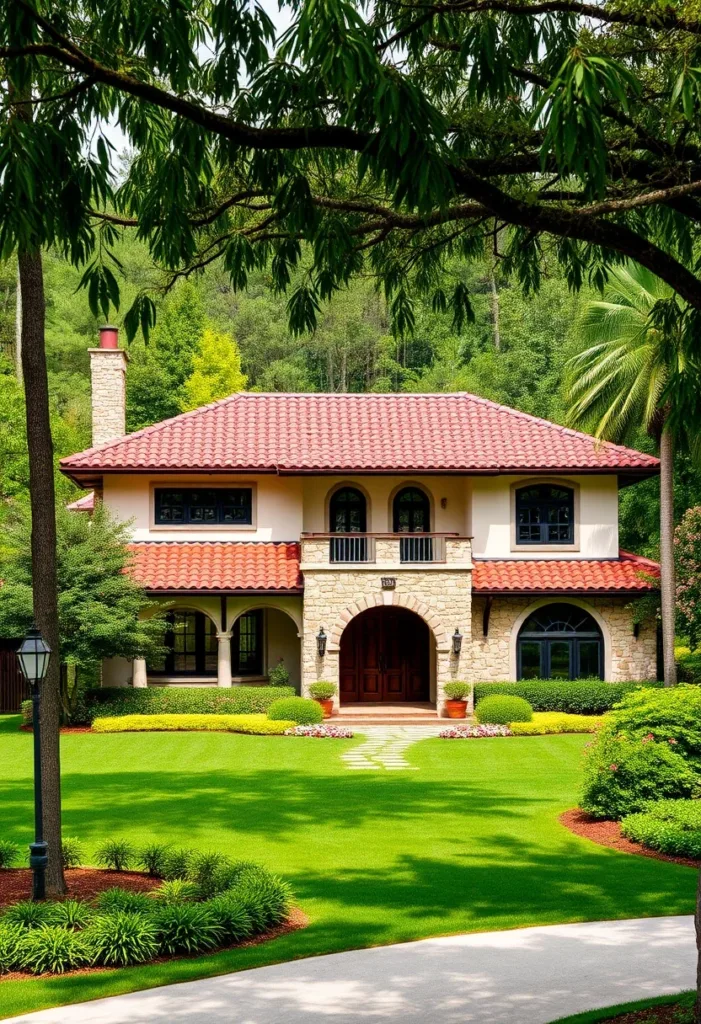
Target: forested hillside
{"points": [[210, 341]]}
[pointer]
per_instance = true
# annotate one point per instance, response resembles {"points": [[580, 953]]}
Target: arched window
{"points": [[544, 514], [412, 514], [348, 514], [560, 641]]}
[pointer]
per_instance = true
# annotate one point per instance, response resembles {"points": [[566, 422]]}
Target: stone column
{"points": [[138, 673], [224, 659]]}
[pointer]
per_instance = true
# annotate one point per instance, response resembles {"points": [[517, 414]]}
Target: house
{"points": [[389, 543]]}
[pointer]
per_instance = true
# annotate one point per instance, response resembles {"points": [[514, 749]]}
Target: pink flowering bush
{"points": [[687, 557], [671, 715], [330, 732], [473, 732]]}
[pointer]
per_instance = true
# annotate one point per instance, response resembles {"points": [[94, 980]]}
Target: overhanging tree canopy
{"points": [[387, 137]]}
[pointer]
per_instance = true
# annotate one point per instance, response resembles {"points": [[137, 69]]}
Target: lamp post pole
{"points": [[33, 656]]}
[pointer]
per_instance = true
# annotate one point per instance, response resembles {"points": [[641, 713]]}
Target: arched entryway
{"points": [[385, 657]]}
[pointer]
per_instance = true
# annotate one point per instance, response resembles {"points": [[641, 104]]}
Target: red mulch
{"points": [[670, 1014], [82, 883], [608, 833], [64, 728]]}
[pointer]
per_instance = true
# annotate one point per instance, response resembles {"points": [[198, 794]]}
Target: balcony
{"points": [[387, 550]]}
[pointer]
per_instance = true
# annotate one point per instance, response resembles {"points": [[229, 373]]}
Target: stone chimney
{"points": [[108, 370]]}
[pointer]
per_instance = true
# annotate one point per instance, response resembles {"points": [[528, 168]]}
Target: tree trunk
{"points": [[495, 311], [697, 919], [667, 581], [18, 331], [44, 575]]}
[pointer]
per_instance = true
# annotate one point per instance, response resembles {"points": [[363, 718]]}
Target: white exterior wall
{"points": [[493, 509]]}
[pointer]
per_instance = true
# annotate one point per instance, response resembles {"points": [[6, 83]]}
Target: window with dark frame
{"points": [[544, 514], [209, 506], [192, 645], [560, 641]]}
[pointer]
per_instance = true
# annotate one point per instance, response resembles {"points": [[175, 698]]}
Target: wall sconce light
{"points": [[457, 641], [444, 502], [321, 642]]}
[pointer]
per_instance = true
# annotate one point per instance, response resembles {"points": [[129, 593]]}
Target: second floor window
{"points": [[204, 506], [412, 511], [347, 511], [544, 515]]}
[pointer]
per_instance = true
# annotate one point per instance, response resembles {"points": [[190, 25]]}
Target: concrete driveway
{"points": [[525, 976]]}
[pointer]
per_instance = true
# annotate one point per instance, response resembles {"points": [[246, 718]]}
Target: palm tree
{"points": [[636, 372]]}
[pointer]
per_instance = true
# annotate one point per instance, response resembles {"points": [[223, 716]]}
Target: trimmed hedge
{"points": [[255, 725], [301, 710], [501, 709], [576, 697], [111, 701], [546, 723], [670, 826]]}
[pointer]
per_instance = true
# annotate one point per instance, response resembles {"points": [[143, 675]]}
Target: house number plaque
{"points": [[388, 582]]}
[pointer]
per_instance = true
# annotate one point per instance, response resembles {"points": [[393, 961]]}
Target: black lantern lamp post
{"points": [[321, 642], [33, 655], [457, 642]]}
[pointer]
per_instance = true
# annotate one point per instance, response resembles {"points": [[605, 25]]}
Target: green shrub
{"points": [[27, 914], [279, 676], [9, 853], [688, 664], [671, 715], [322, 690], [266, 897], [231, 913], [670, 826], [457, 690], [154, 859], [622, 774], [187, 928], [115, 854], [299, 710], [205, 872], [121, 939], [11, 937], [51, 949], [112, 900], [254, 725], [25, 709], [71, 852], [73, 914], [575, 697], [185, 700], [500, 710], [178, 890], [177, 863]]}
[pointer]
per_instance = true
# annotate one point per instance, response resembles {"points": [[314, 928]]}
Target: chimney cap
{"points": [[109, 336]]}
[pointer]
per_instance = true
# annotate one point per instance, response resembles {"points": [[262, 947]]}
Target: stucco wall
{"points": [[492, 509], [493, 658]]}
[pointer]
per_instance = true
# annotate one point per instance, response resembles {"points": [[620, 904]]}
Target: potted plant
{"points": [[457, 695], [323, 693]]}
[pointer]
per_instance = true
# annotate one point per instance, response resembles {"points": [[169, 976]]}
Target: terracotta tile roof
{"points": [[84, 504], [362, 432], [562, 576], [216, 566]]}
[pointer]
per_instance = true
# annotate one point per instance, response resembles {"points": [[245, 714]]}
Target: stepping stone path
{"points": [[385, 746]]}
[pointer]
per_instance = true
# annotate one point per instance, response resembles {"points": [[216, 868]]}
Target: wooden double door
{"points": [[385, 657]]}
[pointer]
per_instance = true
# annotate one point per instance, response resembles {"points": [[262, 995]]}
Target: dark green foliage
{"points": [[186, 700], [296, 709], [578, 697], [115, 854], [11, 936], [670, 715], [267, 897], [205, 872], [116, 899], [9, 853], [231, 912], [71, 852], [177, 864], [122, 938], [187, 928], [688, 665], [621, 775], [27, 914], [177, 890], [670, 826], [74, 914], [503, 709], [52, 949], [278, 675], [154, 858]]}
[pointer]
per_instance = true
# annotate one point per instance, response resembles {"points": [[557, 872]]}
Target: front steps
{"points": [[386, 714]]}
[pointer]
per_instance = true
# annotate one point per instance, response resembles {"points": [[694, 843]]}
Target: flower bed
{"points": [[331, 732], [546, 723], [254, 725], [474, 732]]}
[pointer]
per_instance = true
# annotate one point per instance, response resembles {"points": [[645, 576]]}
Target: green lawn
{"points": [[470, 842]]}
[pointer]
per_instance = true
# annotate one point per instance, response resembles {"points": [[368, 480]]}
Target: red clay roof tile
{"points": [[216, 566], [362, 432], [626, 573]]}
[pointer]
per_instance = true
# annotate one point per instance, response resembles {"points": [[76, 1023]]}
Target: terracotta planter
{"points": [[326, 706], [456, 708]]}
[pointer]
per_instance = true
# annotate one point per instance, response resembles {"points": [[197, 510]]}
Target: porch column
{"points": [[224, 659], [138, 669]]}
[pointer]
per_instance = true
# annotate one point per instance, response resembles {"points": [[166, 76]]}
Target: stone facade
{"points": [[108, 369]]}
